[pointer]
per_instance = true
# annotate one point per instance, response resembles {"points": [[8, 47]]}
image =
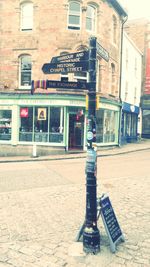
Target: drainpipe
{"points": [[121, 52]]}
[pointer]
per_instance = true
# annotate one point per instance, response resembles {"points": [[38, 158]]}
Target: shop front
{"points": [[145, 105], [52, 122], [129, 124]]}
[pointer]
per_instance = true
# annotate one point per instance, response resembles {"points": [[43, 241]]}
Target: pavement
{"points": [[38, 226], [143, 144]]}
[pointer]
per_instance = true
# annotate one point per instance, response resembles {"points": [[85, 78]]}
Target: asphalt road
{"points": [[28, 175]]}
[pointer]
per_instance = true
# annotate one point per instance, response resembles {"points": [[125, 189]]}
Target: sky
{"points": [[136, 8]]}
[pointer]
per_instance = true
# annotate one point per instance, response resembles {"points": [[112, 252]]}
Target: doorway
{"points": [[76, 131]]}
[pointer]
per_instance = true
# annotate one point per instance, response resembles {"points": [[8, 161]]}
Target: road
{"points": [[42, 206], [28, 175]]}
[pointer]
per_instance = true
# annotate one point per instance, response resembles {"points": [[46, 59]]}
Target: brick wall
{"points": [[50, 36]]}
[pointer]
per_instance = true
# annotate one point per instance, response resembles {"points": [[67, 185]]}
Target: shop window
{"points": [[106, 125], [99, 125], [41, 124], [91, 18], [26, 16], [56, 125], [74, 15], [5, 124], [25, 71], [26, 124], [146, 123]]}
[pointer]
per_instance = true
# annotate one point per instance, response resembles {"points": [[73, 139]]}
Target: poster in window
{"points": [[24, 113], [42, 114]]}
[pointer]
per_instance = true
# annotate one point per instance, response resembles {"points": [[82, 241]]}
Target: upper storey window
{"points": [[26, 16], [74, 16], [114, 30], [25, 71], [91, 18]]}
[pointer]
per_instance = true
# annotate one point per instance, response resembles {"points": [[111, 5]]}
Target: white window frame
{"points": [[72, 26], [20, 71], [93, 18], [26, 17], [77, 77]]}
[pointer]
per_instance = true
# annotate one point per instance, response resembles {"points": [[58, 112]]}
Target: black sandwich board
{"points": [[110, 222], [73, 57], [65, 67]]}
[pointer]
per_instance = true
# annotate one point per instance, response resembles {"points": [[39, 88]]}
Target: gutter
{"points": [[121, 51]]}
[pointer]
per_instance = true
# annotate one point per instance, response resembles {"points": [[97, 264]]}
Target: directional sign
{"points": [[67, 85], [102, 52], [65, 67], [74, 57]]}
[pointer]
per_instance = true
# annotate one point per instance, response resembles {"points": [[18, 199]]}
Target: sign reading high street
{"points": [[74, 57], [102, 52], [65, 67]]}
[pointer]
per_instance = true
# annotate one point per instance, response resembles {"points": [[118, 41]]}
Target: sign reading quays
{"points": [[110, 222], [73, 57]]}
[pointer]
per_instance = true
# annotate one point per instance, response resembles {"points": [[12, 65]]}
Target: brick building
{"points": [[139, 31], [32, 32]]}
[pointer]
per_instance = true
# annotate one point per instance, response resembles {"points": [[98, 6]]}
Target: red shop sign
{"points": [[24, 112]]}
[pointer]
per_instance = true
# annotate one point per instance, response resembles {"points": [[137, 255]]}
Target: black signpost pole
{"points": [[91, 235]]}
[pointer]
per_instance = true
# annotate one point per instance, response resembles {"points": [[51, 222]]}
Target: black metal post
{"points": [[91, 234]]}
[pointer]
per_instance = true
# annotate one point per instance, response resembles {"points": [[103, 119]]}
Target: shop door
{"points": [[76, 131]]}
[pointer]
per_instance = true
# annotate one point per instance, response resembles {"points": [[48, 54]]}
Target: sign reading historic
{"points": [[65, 67], [110, 222], [102, 52], [74, 57]]}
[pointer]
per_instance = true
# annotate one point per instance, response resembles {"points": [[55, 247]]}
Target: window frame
{"points": [[72, 26], [20, 71], [114, 30], [93, 18], [24, 16]]}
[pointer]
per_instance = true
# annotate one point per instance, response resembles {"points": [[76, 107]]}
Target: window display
{"points": [[5, 124], [41, 124]]}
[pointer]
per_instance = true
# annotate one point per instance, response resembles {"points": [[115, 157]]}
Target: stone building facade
{"points": [[32, 32]]}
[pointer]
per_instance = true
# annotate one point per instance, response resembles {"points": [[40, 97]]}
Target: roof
{"points": [[117, 6]]}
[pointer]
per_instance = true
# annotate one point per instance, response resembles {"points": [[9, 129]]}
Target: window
{"points": [[64, 76], [112, 78], [25, 71], [135, 67], [126, 91], [80, 76], [41, 124], [127, 59], [91, 18], [5, 124], [26, 16], [74, 15], [106, 123], [114, 30]]}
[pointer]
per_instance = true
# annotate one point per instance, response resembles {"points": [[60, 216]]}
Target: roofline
{"points": [[118, 7]]}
